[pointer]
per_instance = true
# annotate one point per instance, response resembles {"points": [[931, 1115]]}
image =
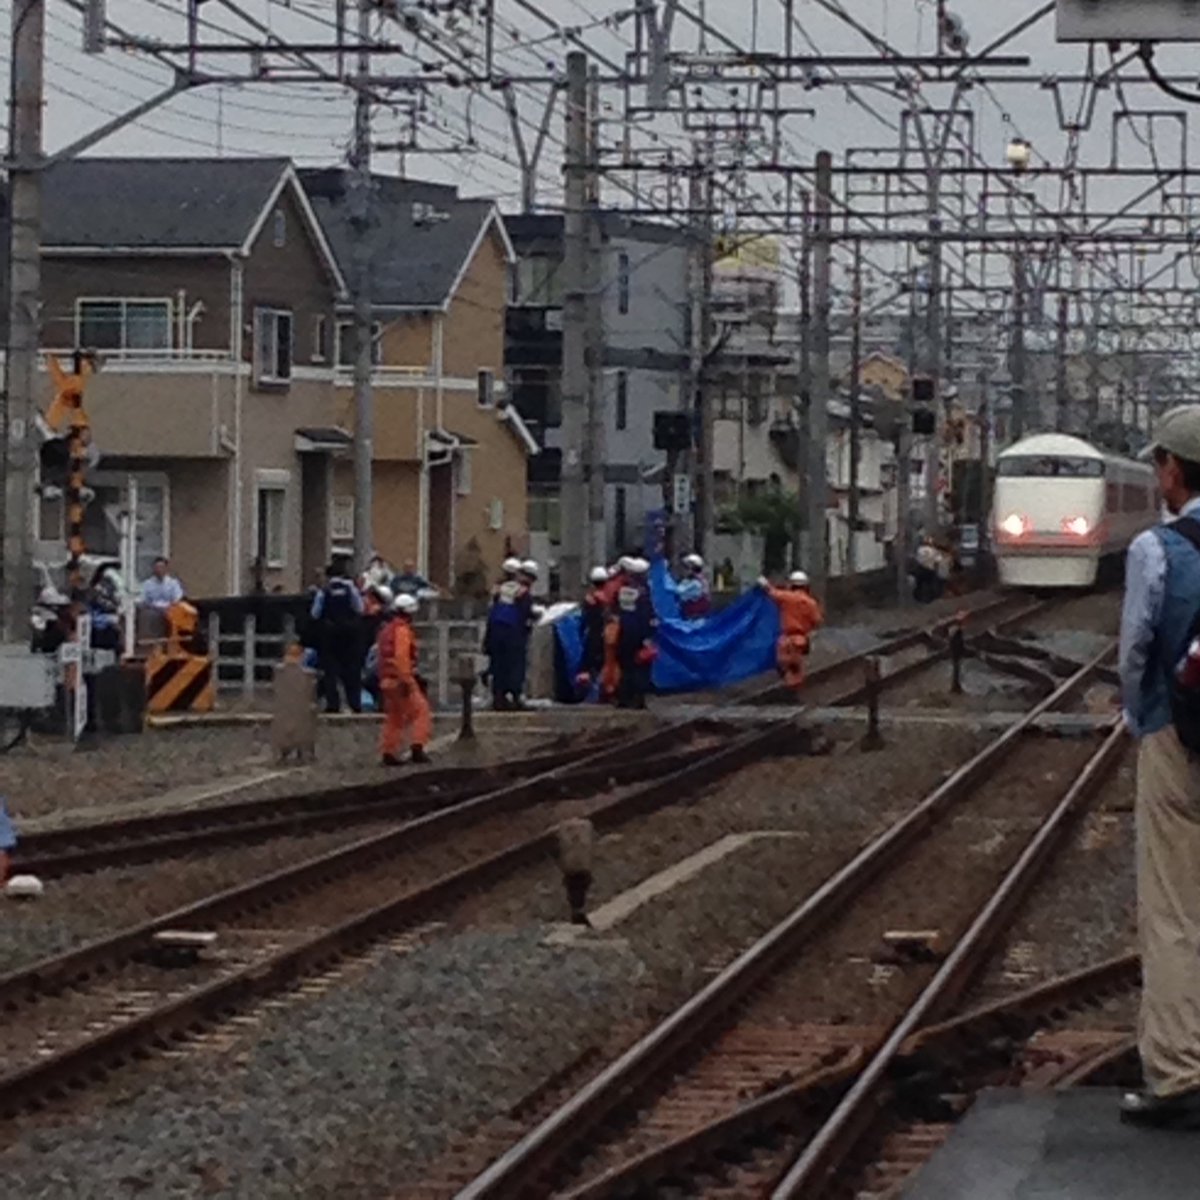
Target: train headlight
{"points": [[1078, 526], [1014, 525]]}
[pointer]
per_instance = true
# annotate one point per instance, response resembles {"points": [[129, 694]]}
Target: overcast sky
{"points": [[311, 122]]}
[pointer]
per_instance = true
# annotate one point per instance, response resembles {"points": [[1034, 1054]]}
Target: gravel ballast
{"points": [[340, 1096]]}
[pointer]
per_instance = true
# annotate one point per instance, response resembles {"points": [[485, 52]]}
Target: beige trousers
{"points": [[1168, 878]]}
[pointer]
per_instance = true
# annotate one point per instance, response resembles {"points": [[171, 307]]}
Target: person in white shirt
{"points": [[162, 589]]}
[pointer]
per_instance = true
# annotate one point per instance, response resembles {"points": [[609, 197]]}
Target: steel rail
{"points": [[162, 835], [94, 1055], [95, 845], [62, 970], [991, 1030], [518, 1171], [829, 1149]]}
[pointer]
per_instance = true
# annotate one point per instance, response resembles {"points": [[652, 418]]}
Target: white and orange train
{"points": [[1061, 507]]}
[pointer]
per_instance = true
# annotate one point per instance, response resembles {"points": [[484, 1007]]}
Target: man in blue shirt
{"points": [[162, 589], [1162, 597]]}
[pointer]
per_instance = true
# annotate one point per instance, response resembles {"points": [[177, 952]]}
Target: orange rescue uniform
{"points": [[405, 709], [799, 614]]}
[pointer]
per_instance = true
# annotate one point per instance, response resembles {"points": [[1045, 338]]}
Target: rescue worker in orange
{"points": [[405, 710], [799, 614], [610, 673]]}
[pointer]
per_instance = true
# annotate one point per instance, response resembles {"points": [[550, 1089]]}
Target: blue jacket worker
{"points": [[506, 637], [337, 613], [1158, 625]]}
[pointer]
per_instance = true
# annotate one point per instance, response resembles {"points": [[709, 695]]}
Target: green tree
{"points": [[772, 516]]}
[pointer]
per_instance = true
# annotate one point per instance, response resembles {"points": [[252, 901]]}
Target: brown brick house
{"points": [[205, 284], [450, 454]]}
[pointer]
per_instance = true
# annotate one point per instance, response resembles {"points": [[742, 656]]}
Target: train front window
{"points": [[1050, 466]]}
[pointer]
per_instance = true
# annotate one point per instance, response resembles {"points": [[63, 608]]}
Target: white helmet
{"points": [[24, 887], [510, 566], [385, 594], [798, 579], [639, 566], [406, 602], [694, 561], [599, 575], [530, 568], [625, 563]]}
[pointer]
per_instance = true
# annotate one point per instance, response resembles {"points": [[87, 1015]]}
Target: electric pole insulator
{"points": [[95, 17]]}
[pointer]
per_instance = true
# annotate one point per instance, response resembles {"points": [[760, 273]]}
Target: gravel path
{"points": [[340, 1096], [1085, 911]]}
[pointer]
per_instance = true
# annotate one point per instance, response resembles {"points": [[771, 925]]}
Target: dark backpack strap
{"points": [[1189, 528]]}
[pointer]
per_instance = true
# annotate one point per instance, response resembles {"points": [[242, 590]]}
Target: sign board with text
{"points": [[1128, 21]]}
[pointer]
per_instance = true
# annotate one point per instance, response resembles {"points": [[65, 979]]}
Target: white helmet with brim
{"points": [[599, 575], [798, 579], [406, 602], [510, 566]]}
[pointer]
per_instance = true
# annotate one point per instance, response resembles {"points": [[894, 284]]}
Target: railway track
{"points": [[744, 1036], [73, 1017], [98, 845]]}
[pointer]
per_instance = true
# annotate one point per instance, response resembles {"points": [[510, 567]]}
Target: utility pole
{"points": [[1016, 349], [706, 475], [1062, 396], [933, 347], [818, 413], [594, 456], [360, 224], [855, 411], [804, 398], [983, 418], [574, 498], [24, 314], [904, 463], [1093, 377], [693, 527]]}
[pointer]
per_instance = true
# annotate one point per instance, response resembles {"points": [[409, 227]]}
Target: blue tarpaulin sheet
{"points": [[8, 831], [735, 644]]}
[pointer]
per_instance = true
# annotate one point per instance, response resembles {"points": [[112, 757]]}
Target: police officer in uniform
{"points": [[505, 639], [337, 614]]}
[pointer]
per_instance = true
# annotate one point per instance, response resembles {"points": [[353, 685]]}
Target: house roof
{"points": [[416, 262], [156, 203]]}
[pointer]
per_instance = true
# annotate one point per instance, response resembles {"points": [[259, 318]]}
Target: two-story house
{"points": [[642, 280], [450, 452], [205, 285]]}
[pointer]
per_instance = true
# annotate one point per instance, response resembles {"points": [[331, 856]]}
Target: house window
{"points": [[345, 343], [320, 339], [486, 391], [463, 474], [341, 521], [623, 283], [271, 518], [619, 520], [279, 229], [622, 399], [537, 282], [124, 326], [272, 345]]}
